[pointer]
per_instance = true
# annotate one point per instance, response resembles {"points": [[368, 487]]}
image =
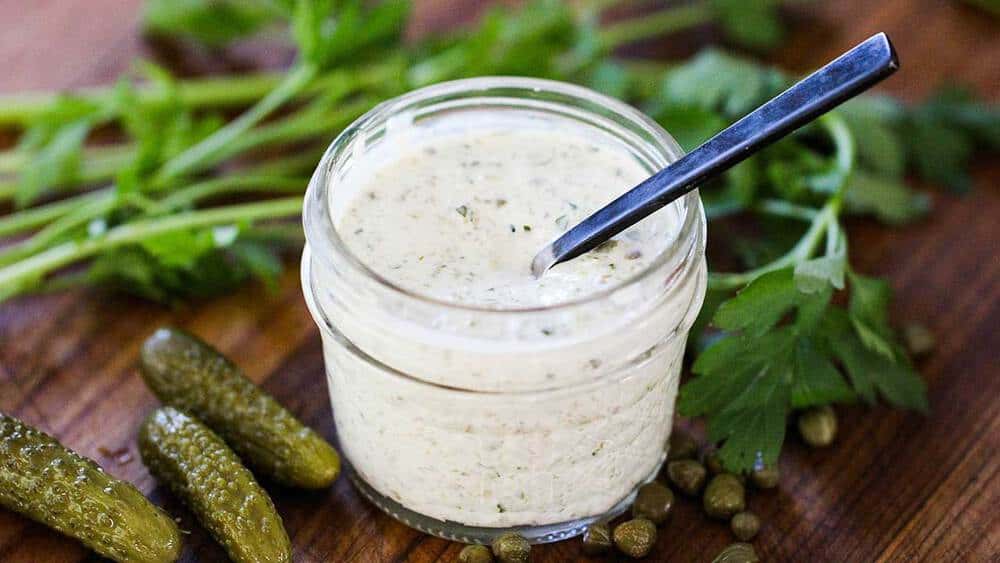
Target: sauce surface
{"points": [[459, 215]]}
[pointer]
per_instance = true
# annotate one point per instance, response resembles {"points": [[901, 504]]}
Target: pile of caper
{"points": [[507, 548], [723, 496], [693, 473]]}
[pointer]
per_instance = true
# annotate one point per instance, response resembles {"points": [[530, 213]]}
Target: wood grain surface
{"points": [[894, 487]]}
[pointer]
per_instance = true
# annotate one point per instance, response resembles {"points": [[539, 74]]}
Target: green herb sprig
{"points": [[178, 214]]}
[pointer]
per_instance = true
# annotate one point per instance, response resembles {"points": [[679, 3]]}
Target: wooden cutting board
{"points": [[897, 487]]}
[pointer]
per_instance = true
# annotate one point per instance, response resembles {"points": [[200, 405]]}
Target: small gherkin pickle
{"points": [[512, 548], [724, 496], [681, 446], [186, 373], [45, 481], [818, 426], [184, 454], [766, 477], [687, 475], [737, 553], [597, 539], [475, 554], [635, 538], [745, 525], [653, 502]]}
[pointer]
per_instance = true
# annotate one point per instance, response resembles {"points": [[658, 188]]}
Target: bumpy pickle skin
{"points": [[67, 492], [186, 373], [200, 469]]}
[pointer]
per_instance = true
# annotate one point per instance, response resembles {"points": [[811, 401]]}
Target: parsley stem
{"points": [[28, 219], [301, 126], [193, 158], [230, 184], [801, 251], [663, 22], [73, 212], [845, 154], [20, 276], [218, 92], [303, 161], [317, 118], [79, 215], [98, 165], [278, 168], [14, 160]]}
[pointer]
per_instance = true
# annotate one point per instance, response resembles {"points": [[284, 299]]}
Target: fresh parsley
{"points": [[176, 214], [787, 347]]}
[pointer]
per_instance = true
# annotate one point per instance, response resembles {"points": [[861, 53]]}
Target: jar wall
{"points": [[517, 460], [512, 458], [503, 418]]}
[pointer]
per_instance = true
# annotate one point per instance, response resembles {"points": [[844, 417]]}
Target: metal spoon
{"points": [[847, 76]]}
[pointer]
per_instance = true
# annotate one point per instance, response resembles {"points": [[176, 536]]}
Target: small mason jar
{"points": [[467, 422]]}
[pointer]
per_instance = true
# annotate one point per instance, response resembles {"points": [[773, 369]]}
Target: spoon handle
{"points": [[850, 74]]}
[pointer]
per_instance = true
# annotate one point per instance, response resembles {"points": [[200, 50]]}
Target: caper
{"points": [[818, 426], [597, 539], [681, 446], [713, 463], [475, 554], [737, 553], [765, 477], [687, 475], [745, 525], [511, 548], [724, 496], [653, 502], [918, 338], [636, 537]]}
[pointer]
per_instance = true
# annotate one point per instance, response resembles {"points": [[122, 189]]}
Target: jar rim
{"points": [[325, 238]]}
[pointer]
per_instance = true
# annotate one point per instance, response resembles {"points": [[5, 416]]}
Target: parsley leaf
{"points": [[870, 371], [782, 342], [713, 80], [752, 24], [187, 264], [53, 144], [761, 305], [161, 126], [816, 381], [543, 38], [888, 199], [690, 125], [942, 134], [327, 32], [818, 274], [879, 147], [212, 22]]}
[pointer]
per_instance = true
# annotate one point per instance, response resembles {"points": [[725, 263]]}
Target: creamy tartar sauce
{"points": [[491, 398], [459, 216]]}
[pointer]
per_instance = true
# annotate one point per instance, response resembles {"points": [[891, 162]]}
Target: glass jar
{"points": [[468, 422]]}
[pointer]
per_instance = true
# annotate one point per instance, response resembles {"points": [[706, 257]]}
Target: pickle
{"points": [[200, 469], [187, 373], [47, 482]]}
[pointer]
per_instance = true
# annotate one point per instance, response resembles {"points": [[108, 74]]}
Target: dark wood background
{"points": [[896, 487]]}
